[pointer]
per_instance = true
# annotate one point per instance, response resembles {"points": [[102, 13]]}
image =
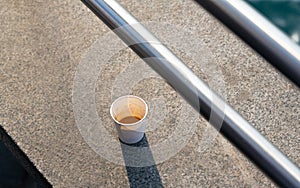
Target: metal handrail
{"points": [[234, 127], [259, 33]]}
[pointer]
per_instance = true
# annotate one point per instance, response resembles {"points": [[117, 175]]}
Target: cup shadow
{"points": [[144, 176]]}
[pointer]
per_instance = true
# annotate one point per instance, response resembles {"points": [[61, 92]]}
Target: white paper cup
{"points": [[129, 114]]}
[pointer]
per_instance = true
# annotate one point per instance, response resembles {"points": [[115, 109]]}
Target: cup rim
{"points": [[128, 96]]}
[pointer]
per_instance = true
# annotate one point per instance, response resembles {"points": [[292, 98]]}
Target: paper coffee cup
{"points": [[129, 114]]}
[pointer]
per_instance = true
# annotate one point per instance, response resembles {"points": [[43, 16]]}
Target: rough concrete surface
{"points": [[42, 43]]}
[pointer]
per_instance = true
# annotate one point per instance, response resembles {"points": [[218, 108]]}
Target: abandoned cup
{"points": [[129, 114]]}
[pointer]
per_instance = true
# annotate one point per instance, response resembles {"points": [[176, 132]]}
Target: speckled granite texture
{"points": [[42, 43]]}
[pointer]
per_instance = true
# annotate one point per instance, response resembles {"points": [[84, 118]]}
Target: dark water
{"points": [[285, 14], [12, 174]]}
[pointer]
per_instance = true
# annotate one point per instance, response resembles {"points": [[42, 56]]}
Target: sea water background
{"points": [[285, 14]]}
